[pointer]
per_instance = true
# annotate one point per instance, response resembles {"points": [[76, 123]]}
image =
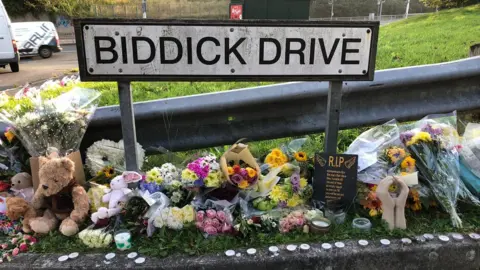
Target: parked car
{"points": [[36, 38], [8, 46]]}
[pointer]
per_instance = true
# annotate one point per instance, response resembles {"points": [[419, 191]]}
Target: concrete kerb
{"points": [[434, 254]]}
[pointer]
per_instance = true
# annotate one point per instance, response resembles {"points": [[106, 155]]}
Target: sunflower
{"points": [[277, 152], [108, 171], [301, 156]]}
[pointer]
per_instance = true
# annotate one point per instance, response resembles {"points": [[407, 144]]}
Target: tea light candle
{"points": [[428, 236], [251, 251], [292, 248], [304, 247], [363, 242], [326, 246], [406, 241], [110, 256], [385, 242], [63, 258], [339, 244], [123, 240], [444, 238], [320, 223], [457, 236], [73, 255], [474, 236], [230, 253], [273, 249]]}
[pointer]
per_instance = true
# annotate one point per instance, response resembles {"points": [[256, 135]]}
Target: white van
{"points": [[36, 38], [8, 46]]}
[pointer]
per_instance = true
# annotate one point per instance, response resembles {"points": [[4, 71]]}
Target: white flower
{"points": [[214, 166], [158, 222], [274, 225]]}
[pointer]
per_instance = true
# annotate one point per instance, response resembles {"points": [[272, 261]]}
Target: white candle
{"points": [[319, 223]]}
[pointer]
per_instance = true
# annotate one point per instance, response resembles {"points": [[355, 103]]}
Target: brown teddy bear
{"points": [[19, 207], [58, 192]]}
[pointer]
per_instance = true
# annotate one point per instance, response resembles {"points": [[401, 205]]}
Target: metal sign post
{"points": [[232, 50]]}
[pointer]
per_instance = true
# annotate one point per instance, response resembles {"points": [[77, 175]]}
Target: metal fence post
{"points": [[128, 125], [334, 102]]}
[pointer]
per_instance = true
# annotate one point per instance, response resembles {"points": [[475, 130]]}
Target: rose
{"points": [[4, 246], [200, 216], [221, 216], [211, 213], [216, 223], [26, 237], [15, 251], [208, 222], [211, 230], [23, 247], [236, 178], [299, 221], [14, 240], [199, 225], [33, 240]]}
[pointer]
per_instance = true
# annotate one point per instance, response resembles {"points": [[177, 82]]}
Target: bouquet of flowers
{"points": [[17, 244], [434, 146], [256, 224], [203, 172], [243, 177], [293, 221], [58, 123], [287, 193], [290, 158], [96, 238], [213, 222], [470, 158], [175, 218]]}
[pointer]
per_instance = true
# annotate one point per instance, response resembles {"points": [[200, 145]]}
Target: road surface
{"points": [[36, 69]]}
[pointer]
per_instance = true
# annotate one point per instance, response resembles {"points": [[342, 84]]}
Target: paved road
{"points": [[36, 69]]}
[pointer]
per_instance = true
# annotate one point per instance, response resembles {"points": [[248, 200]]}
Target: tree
{"points": [[69, 8], [444, 3]]}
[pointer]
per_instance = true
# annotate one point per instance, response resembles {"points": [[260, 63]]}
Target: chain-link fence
{"points": [[166, 9]]}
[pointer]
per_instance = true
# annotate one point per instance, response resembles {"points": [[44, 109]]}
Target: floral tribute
{"points": [[243, 177], [293, 221], [17, 244], [203, 172], [213, 222], [175, 218]]}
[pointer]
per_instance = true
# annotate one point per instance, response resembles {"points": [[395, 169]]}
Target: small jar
{"points": [[337, 217], [320, 225], [362, 224], [123, 239]]}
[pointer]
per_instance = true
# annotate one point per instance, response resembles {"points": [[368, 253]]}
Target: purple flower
{"points": [[295, 180], [252, 180], [434, 132], [282, 204], [198, 183], [151, 187], [244, 173], [406, 136], [236, 178], [198, 170]]}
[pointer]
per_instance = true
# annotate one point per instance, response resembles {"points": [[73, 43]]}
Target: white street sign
{"points": [[228, 51]]}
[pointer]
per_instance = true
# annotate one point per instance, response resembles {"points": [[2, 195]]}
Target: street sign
{"points": [[150, 50]]}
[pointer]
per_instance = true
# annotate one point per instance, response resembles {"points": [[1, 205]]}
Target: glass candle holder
{"points": [[337, 217], [362, 224], [123, 239]]}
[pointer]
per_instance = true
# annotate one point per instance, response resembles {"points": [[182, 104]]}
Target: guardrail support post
{"points": [[128, 125], [334, 103]]}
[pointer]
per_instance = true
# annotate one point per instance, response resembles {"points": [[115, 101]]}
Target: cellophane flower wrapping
{"points": [[291, 158], [57, 123], [96, 238], [433, 143], [470, 158], [175, 218]]}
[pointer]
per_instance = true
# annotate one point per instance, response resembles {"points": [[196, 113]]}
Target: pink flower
{"points": [[4, 246], [297, 214], [33, 240], [211, 230], [300, 221], [26, 237], [5, 255], [226, 228], [221, 216], [216, 223], [14, 240], [23, 247], [211, 213], [199, 225], [208, 222], [200, 216], [15, 251]]}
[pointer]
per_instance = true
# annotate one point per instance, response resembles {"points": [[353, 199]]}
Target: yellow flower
{"points": [[408, 163], [108, 171], [373, 213], [392, 188], [251, 172], [417, 206], [177, 213], [159, 180], [396, 154], [9, 135], [212, 180], [188, 175], [230, 171], [153, 175], [301, 156], [277, 152], [269, 159], [374, 188], [420, 137], [188, 214], [303, 183], [294, 201], [243, 184], [403, 173], [278, 194], [284, 159]]}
